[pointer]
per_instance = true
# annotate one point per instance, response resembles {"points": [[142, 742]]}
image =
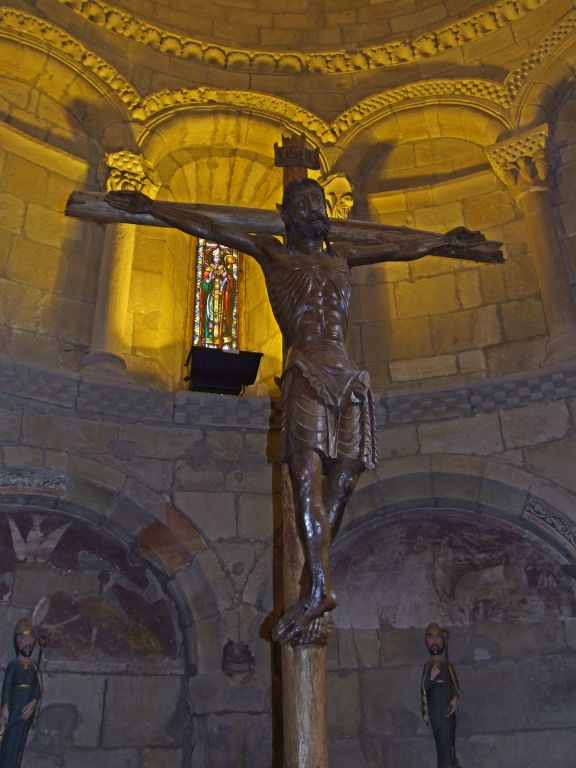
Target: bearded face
{"points": [[25, 644], [305, 213], [434, 641]]}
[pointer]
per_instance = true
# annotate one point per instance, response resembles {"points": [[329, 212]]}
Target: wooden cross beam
{"points": [[92, 206]]}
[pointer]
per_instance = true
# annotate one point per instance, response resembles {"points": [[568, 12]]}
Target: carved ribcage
{"points": [[296, 291]]}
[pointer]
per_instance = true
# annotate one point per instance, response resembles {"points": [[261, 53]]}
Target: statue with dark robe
{"points": [[440, 696], [21, 693]]}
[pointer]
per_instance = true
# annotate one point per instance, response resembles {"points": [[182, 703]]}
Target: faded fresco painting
{"points": [[91, 596], [459, 570]]}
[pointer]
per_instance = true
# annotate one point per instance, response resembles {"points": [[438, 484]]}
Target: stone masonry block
{"points": [[256, 519], [555, 461], [528, 748], [213, 513], [344, 710], [486, 211], [469, 292], [190, 478], [11, 213], [259, 481], [19, 305], [524, 355], [523, 319], [429, 296], [423, 368], [227, 446], [463, 330], [539, 423], [400, 705], [111, 758], [397, 441], [20, 174], [462, 488], [477, 435], [68, 688], [25, 267], [160, 442], [60, 432], [521, 640], [400, 339], [133, 704], [160, 758]]}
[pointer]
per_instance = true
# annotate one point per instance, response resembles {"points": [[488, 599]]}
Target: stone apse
{"points": [[139, 521]]}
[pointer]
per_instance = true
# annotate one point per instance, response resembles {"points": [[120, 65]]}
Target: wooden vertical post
{"points": [[303, 666]]}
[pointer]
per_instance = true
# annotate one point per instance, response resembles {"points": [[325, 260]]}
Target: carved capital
{"points": [[128, 171], [338, 192], [521, 162]]}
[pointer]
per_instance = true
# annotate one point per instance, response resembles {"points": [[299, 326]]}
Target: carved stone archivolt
{"points": [[552, 522], [337, 62], [40, 480], [494, 98]]}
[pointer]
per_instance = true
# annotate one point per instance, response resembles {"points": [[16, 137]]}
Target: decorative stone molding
{"points": [[494, 97], [129, 171], [551, 521], [516, 79], [300, 118], [521, 161], [19, 25], [42, 480], [395, 53], [480, 92], [133, 403]]}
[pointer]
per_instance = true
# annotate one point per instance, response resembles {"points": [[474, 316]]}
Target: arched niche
{"points": [[66, 95], [449, 565], [425, 167], [507, 594], [115, 668], [208, 156]]}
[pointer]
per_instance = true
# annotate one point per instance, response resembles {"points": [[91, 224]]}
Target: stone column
{"points": [[126, 171], [522, 163]]}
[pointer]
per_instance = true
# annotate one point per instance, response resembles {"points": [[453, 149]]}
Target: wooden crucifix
{"points": [[328, 422]]}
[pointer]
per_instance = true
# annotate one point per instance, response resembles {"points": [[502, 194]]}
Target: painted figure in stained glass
{"points": [[215, 317]]}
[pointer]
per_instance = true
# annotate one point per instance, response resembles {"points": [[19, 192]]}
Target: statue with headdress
{"points": [[440, 696], [21, 694]]}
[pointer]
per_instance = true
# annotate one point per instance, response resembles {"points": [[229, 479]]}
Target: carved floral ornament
{"points": [[391, 54]]}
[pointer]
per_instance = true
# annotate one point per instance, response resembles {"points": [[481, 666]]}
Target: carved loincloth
{"points": [[328, 409]]}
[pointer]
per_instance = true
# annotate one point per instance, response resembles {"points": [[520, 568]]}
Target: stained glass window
{"points": [[216, 296]]}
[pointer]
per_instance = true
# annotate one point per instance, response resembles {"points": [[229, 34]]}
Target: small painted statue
{"points": [[440, 696], [21, 694]]}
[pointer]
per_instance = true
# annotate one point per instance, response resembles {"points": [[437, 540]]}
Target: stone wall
{"points": [[468, 520]]}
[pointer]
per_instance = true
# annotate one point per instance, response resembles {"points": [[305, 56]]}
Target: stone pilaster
{"points": [[523, 163], [126, 171]]}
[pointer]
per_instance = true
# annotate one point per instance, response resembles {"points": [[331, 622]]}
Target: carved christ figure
{"points": [[328, 413]]}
